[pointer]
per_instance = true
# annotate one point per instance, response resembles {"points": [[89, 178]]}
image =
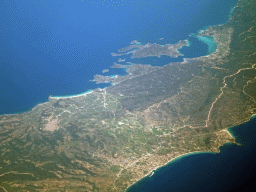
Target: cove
{"points": [[212, 45]]}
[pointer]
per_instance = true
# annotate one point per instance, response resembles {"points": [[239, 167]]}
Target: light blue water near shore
{"points": [[254, 116], [209, 41], [56, 47]]}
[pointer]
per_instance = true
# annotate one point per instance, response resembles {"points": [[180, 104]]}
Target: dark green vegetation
{"points": [[108, 139]]}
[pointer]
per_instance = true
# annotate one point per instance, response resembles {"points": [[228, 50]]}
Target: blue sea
{"points": [[56, 47]]}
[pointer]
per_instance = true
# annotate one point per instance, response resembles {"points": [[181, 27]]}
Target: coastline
{"points": [[179, 157], [230, 128], [72, 96], [49, 98], [173, 160]]}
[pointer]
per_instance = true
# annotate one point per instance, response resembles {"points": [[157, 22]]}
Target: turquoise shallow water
{"points": [[56, 47], [209, 41]]}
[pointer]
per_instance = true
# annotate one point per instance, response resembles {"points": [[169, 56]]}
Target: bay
{"points": [[56, 47]]}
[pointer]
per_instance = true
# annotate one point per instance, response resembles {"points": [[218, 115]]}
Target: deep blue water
{"points": [[233, 169], [55, 47]]}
